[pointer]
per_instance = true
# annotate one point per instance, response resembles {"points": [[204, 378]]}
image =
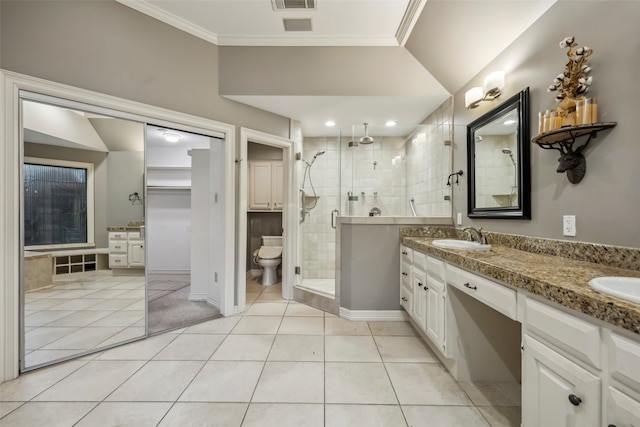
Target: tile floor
{"points": [[81, 312], [279, 364]]}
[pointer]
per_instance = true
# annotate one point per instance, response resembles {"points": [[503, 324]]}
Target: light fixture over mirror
{"points": [[493, 85]]}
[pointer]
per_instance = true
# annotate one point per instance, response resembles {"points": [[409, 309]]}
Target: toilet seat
{"points": [[270, 252]]}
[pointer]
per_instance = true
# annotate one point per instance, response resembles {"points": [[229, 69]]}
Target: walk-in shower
{"points": [[308, 202]]}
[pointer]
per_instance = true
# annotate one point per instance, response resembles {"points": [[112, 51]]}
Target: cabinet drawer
{"points": [[406, 254], [405, 273], [406, 297], [118, 261], [624, 361], [117, 235], [117, 246], [622, 410], [577, 337], [496, 296], [420, 260], [435, 267], [133, 235]]}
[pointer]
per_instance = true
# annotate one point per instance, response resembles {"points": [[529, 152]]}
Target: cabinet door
{"points": [[277, 186], [406, 298], [435, 311], [419, 281], [555, 390], [136, 254], [622, 410], [260, 185]]}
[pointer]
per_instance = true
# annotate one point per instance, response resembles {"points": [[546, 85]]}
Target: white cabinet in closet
{"points": [[266, 186]]}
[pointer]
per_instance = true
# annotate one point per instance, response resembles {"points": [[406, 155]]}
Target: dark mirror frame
{"points": [[520, 103]]}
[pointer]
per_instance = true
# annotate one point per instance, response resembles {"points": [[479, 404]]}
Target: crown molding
{"points": [[411, 15]]}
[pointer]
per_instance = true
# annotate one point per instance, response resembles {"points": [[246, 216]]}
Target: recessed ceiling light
{"points": [[329, 123], [171, 137], [390, 123]]}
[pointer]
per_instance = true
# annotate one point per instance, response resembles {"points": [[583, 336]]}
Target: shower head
{"points": [[319, 153], [366, 139], [315, 156], [506, 151], [510, 153]]}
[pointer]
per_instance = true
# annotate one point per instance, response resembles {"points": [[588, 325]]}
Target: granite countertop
{"points": [[558, 279]]}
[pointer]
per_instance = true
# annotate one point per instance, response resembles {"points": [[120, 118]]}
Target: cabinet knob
{"points": [[404, 273], [425, 288], [405, 253], [419, 284], [611, 425], [404, 299], [575, 400], [466, 285]]}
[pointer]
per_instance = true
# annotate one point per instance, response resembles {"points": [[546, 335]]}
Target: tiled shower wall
{"points": [[389, 172], [495, 172], [429, 163]]}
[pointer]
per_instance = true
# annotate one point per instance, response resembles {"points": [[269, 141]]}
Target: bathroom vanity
{"points": [[126, 247], [521, 312]]}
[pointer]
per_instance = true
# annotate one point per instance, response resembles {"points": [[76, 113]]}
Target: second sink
{"points": [[622, 287], [460, 244]]}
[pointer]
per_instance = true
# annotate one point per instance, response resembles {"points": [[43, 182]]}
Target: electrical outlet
{"points": [[569, 225], [459, 219]]}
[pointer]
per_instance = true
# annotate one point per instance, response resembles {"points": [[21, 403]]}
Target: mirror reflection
{"points": [[498, 161], [79, 222], [496, 170]]}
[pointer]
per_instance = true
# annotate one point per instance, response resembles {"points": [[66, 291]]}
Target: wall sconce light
{"points": [[492, 89]]}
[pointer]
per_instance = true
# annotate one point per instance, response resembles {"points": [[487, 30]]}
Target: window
{"points": [[58, 203]]}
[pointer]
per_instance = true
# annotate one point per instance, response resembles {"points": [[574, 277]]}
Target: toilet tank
{"points": [[271, 240]]}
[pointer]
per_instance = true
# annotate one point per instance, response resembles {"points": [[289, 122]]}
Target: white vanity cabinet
{"points": [[126, 249], [406, 290], [555, 390], [266, 185], [423, 293], [622, 397]]}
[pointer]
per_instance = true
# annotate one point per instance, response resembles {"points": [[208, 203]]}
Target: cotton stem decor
{"points": [[574, 82]]}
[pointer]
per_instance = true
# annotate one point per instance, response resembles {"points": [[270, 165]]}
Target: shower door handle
{"points": [[333, 217]]}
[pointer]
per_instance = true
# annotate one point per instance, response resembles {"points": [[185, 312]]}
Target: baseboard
{"points": [[373, 315], [214, 303], [198, 296]]}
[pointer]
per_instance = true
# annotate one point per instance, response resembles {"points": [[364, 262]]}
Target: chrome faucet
{"points": [[477, 234]]}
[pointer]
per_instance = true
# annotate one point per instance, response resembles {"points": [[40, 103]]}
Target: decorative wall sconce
{"points": [[492, 89]]}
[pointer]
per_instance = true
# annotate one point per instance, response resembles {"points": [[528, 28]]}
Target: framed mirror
{"points": [[498, 162]]}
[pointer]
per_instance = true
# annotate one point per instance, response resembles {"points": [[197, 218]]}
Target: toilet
{"points": [[269, 257]]}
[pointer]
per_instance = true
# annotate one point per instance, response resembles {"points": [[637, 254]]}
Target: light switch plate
{"points": [[459, 219], [569, 225]]}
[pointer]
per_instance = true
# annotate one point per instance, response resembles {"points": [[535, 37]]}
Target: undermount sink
{"points": [[622, 287], [460, 244]]}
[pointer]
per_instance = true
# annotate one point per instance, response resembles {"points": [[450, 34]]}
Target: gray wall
{"points": [[124, 176], [607, 200], [369, 267], [110, 48]]}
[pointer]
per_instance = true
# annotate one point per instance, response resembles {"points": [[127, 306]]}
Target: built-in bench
{"points": [[80, 260]]}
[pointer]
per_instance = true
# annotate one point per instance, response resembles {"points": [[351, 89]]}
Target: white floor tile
{"points": [[28, 385], [284, 415], [297, 309], [392, 328], [358, 383], [50, 414], [140, 350], [351, 349], [291, 382], [301, 348], [302, 326], [266, 309], [364, 415], [493, 393], [425, 384], [257, 325], [126, 414], [404, 349], [244, 347], [92, 382], [443, 416], [83, 339], [222, 325], [224, 381], [205, 414], [7, 407], [39, 337], [338, 326], [157, 381], [191, 347]]}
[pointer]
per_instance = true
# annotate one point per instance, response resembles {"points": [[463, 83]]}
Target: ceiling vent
{"points": [[297, 24], [293, 4]]}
